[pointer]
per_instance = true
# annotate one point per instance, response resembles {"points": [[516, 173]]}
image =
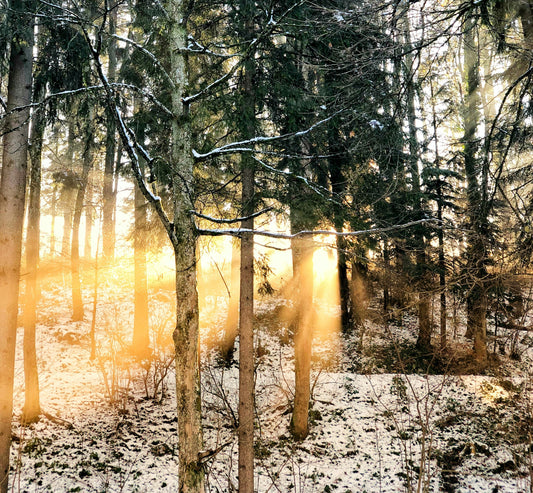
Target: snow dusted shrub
{"points": [[411, 413], [159, 363], [114, 360]]}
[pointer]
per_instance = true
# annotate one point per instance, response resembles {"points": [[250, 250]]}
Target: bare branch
{"points": [[237, 146], [149, 54], [230, 221], [271, 25], [285, 236]]}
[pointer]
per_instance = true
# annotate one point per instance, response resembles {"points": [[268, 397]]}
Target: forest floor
{"points": [[380, 422]]}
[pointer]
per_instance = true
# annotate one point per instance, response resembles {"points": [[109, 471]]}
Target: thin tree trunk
{"points": [[231, 327], [336, 164], [32, 408], [77, 298], [141, 338], [89, 221], [108, 218], [53, 213], [12, 195], [67, 194], [440, 232], [386, 276]]}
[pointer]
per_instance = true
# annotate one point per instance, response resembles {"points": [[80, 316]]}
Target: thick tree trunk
{"points": [[108, 196], [32, 408], [186, 334], [12, 196]]}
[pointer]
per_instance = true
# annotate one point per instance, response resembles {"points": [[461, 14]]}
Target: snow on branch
{"points": [[267, 31], [127, 137], [286, 236], [80, 90], [230, 221], [319, 190], [238, 146], [149, 54], [197, 48]]}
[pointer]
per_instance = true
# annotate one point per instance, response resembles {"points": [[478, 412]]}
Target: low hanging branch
{"points": [[230, 221], [128, 139], [240, 146], [285, 236]]}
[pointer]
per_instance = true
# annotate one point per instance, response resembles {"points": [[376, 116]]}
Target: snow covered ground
{"points": [[109, 428]]}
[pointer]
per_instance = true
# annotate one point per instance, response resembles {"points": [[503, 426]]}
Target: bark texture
{"points": [[476, 255], [108, 194], [12, 197], [302, 265], [77, 298], [141, 338], [186, 334], [246, 315], [32, 408]]}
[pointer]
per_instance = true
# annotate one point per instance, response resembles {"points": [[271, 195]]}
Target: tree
{"points": [[246, 290], [173, 16], [108, 193], [12, 198], [476, 194], [87, 158], [32, 408]]}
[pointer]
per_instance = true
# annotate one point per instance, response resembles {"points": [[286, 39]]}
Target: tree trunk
{"points": [[68, 190], [77, 298], [108, 196], [246, 340], [141, 338], [32, 408], [247, 125], [231, 327], [336, 164], [186, 334], [421, 277], [12, 196], [53, 214], [89, 220], [359, 292], [476, 248], [302, 265]]}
